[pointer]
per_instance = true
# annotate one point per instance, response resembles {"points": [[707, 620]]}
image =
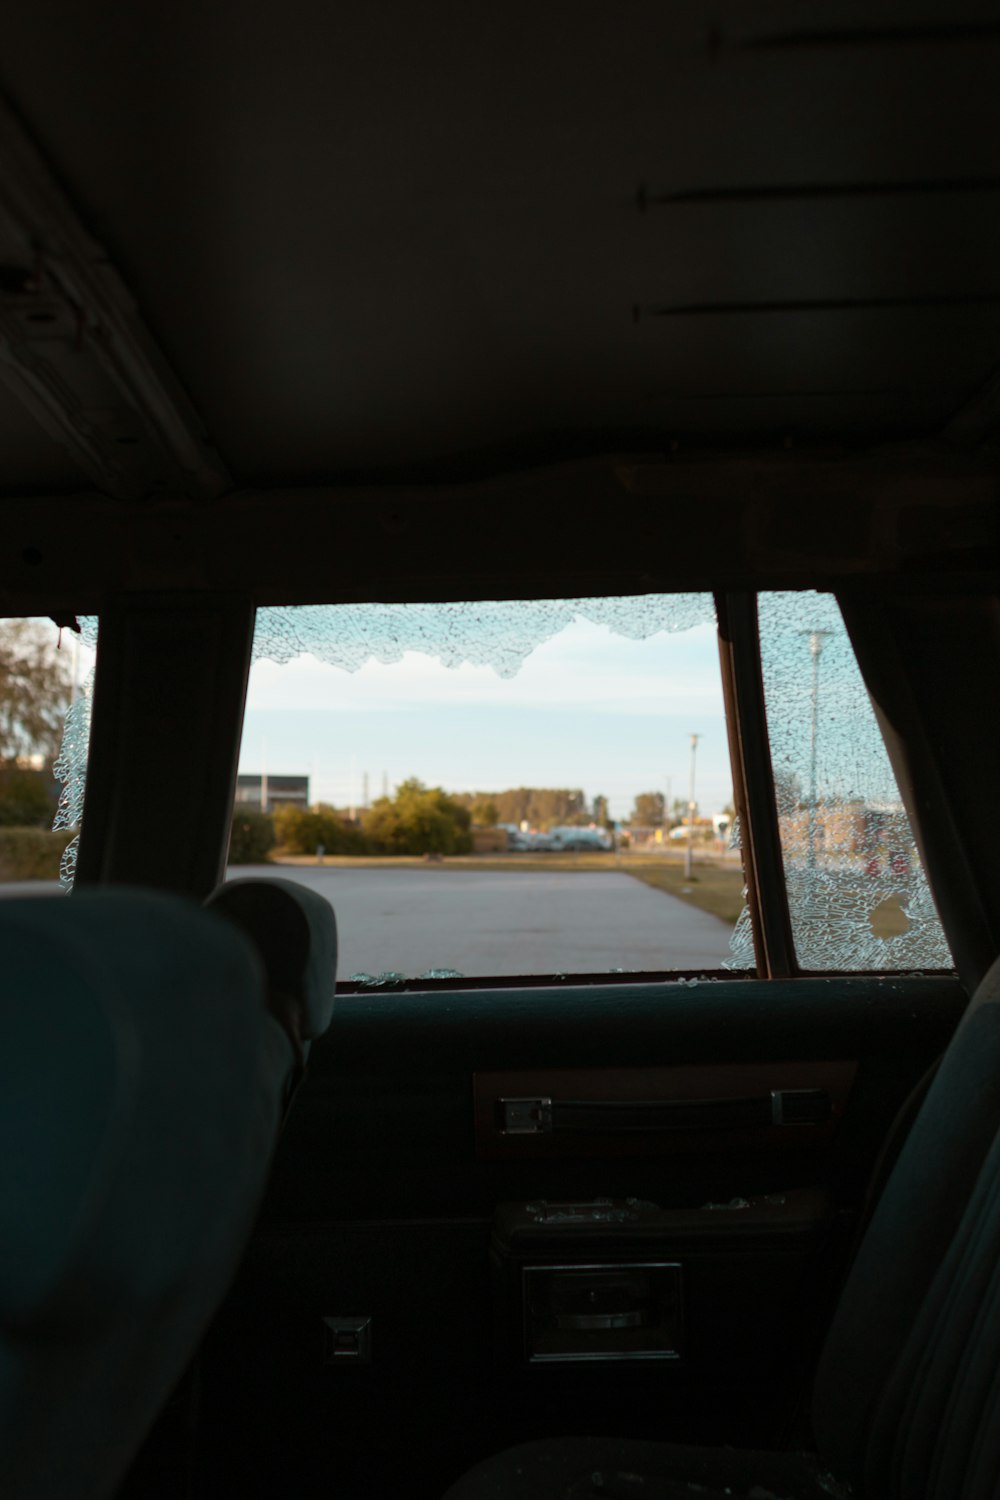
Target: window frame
{"points": [[756, 800]]}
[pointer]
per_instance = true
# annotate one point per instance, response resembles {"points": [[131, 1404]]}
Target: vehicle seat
{"points": [[906, 1404], [294, 930], [141, 1084]]}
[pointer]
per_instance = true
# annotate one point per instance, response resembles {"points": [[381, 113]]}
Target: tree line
{"points": [[539, 807], [559, 807], [428, 820], [417, 820]]}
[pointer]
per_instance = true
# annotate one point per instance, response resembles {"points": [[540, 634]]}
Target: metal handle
{"points": [[542, 1115]]}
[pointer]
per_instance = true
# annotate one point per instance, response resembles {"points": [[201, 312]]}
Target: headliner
{"points": [[402, 240]]}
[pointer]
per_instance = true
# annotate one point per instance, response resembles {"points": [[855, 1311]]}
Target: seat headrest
{"points": [[295, 931]]}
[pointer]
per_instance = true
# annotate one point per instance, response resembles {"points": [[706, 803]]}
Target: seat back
{"points": [[907, 1398], [141, 1079]]}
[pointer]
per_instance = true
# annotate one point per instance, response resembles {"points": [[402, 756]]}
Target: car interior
{"points": [[326, 313]]}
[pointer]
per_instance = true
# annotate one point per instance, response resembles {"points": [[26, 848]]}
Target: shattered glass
{"points": [[499, 634], [596, 1211], [858, 895], [496, 633], [390, 979], [71, 766], [742, 954]]}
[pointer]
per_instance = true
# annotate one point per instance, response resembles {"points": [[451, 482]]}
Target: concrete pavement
{"points": [[498, 922]]}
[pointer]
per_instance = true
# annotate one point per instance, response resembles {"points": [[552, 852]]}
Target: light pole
{"points": [[817, 640], [689, 861]]}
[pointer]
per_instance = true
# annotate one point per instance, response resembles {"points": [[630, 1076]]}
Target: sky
{"points": [[587, 709]]}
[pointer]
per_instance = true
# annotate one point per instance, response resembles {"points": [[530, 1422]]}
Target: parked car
{"points": [[580, 840]]}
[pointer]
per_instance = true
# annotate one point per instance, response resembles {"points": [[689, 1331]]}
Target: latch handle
{"points": [[543, 1115]]}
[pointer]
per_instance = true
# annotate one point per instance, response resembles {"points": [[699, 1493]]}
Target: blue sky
{"points": [[587, 709]]}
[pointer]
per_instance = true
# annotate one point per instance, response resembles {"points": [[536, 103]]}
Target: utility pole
{"points": [[364, 791], [689, 861], [263, 776]]}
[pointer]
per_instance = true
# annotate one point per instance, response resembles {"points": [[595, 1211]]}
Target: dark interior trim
{"points": [[689, 520], [753, 786], [919, 657], [169, 693]]}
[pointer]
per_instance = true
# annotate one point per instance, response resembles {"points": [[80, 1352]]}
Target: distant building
{"points": [[281, 791], [848, 828]]}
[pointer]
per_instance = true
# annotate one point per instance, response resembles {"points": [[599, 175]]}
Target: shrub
{"points": [[25, 799], [419, 820], [485, 812], [251, 838], [302, 830], [31, 853]]}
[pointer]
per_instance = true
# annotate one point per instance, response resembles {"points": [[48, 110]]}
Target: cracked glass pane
{"points": [[71, 766], [494, 633], [741, 949], [858, 895], [46, 679], [742, 954], [497, 788]]}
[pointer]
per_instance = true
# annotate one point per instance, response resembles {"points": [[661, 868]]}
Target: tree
{"points": [[303, 830], [542, 807], [539, 807], [601, 817], [35, 689], [485, 812], [648, 810], [251, 837], [26, 799], [418, 820]]}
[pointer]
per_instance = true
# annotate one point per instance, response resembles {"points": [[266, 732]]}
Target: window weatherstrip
{"points": [[753, 786]]}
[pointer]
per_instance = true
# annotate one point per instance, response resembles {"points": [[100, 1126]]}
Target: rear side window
{"points": [[46, 679], [857, 892]]}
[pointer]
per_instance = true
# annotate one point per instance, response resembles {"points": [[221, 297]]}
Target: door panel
{"points": [[381, 1207]]}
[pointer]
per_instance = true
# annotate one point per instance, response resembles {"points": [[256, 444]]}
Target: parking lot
{"points": [[519, 922]]}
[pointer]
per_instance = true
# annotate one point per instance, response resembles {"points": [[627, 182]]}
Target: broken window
{"points": [[857, 892], [500, 634], [46, 678], [70, 768], [562, 736]]}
